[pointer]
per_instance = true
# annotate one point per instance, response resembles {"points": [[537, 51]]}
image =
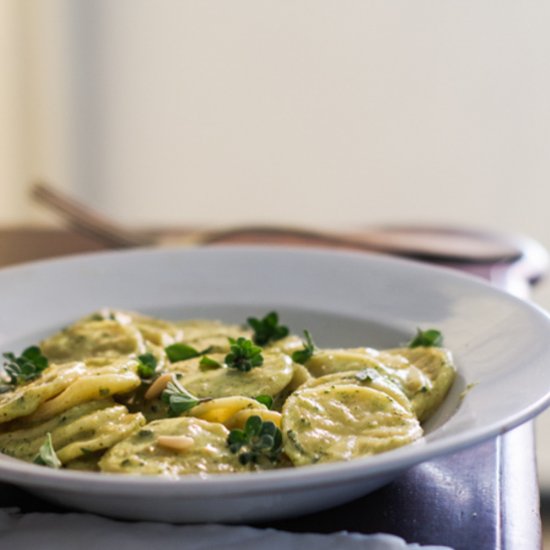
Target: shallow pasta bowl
{"points": [[500, 344]]}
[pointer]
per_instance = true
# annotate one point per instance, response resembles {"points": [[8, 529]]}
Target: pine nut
{"points": [[158, 386], [175, 442]]}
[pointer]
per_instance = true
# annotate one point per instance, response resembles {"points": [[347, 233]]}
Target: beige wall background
{"points": [[313, 112]]}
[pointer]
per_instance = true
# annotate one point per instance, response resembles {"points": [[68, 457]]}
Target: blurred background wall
{"points": [[315, 112], [321, 112]]}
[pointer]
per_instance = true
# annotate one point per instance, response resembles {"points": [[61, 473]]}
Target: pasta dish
{"points": [[122, 392]]}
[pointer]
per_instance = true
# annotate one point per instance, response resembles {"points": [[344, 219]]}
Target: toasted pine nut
{"points": [[175, 442], [158, 386]]}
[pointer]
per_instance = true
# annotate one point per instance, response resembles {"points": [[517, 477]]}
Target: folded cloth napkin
{"points": [[88, 532]]}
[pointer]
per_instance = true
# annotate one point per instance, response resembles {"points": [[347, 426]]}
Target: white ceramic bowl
{"points": [[501, 346]]}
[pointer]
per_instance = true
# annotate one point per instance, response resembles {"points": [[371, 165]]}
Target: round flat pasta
{"points": [[79, 431], [299, 377], [210, 335], [153, 450], [329, 361], [95, 382], [368, 377], [437, 373], [156, 331], [217, 343], [196, 329], [269, 379], [424, 374], [24, 400], [341, 422], [288, 345], [94, 338]]}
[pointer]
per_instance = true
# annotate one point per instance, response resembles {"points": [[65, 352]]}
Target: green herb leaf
{"points": [[28, 366], [179, 399], [266, 400], [244, 355], [253, 426], [303, 355], [267, 329], [147, 365], [258, 440], [46, 455], [426, 338], [206, 363], [180, 352], [236, 439]]}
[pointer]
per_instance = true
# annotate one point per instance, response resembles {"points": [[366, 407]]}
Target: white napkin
{"points": [[88, 532]]}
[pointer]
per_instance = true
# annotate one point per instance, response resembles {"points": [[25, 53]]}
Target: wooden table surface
{"points": [[482, 498]]}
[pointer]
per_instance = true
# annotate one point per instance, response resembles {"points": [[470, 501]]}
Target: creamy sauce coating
{"points": [[111, 399], [141, 453]]}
